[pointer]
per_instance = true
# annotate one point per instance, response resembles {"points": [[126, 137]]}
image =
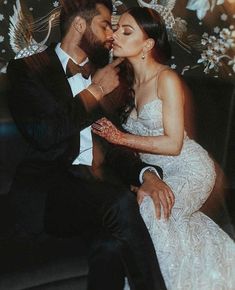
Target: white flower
{"points": [[217, 47], [212, 39], [31, 9], [203, 41], [173, 66], [225, 32], [216, 29], [3, 50], [224, 17], [205, 35], [1, 38], [5, 2], [1, 17], [56, 3]]}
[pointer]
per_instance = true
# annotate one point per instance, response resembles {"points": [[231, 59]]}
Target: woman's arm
{"points": [[171, 92]]}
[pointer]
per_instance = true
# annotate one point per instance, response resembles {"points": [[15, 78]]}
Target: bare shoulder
{"points": [[168, 75], [169, 82]]}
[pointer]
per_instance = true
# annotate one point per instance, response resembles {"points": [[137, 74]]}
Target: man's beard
{"points": [[96, 51]]}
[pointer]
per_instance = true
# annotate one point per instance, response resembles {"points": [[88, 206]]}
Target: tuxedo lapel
{"points": [[53, 75]]}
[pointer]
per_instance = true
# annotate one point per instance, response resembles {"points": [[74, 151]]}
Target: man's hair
{"points": [[84, 8]]}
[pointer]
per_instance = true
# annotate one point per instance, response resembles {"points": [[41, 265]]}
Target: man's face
{"points": [[98, 37]]}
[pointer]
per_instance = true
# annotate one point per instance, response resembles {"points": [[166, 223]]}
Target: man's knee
{"points": [[122, 212]]}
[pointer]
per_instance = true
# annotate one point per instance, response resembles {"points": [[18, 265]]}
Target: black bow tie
{"points": [[72, 69]]}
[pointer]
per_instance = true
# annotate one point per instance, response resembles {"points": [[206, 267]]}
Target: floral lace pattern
{"points": [[193, 252]]}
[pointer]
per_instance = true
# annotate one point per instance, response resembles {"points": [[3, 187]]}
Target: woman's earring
{"points": [[143, 55]]}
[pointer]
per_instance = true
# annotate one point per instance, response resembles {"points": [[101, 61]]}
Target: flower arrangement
{"points": [[215, 50]]}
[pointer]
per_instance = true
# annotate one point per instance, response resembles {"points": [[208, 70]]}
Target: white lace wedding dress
{"points": [[193, 252]]}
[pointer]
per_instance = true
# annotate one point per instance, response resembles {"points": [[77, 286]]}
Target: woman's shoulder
{"points": [[167, 75], [168, 81], [166, 71]]}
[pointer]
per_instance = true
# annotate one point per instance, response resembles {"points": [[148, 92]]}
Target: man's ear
{"points": [[79, 24]]}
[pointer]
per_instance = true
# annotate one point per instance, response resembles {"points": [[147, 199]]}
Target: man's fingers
{"points": [[140, 195], [134, 188], [117, 61], [166, 205], [157, 206], [140, 198], [172, 197]]}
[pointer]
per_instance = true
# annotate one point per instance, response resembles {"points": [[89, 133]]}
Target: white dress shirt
{"points": [[78, 84]]}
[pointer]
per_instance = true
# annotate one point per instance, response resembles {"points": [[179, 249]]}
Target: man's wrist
{"points": [[145, 170], [96, 90]]}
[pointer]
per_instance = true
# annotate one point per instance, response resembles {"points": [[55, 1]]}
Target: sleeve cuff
{"points": [[150, 168]]}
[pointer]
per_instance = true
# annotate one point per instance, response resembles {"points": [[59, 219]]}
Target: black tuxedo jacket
{"points": [[50, 118]]}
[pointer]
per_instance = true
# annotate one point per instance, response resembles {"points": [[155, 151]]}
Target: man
{"points": [[58, 179]]}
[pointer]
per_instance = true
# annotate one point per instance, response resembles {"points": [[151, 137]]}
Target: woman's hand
{"points": [[104, 128]]}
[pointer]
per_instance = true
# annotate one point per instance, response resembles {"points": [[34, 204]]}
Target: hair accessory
{"points": [[176, 27]]}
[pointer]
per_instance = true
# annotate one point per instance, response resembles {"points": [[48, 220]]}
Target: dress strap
{"points": [[163, 68]]}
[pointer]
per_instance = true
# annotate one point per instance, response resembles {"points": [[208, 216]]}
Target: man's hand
{"points": [[105, 80], [160, 192]]}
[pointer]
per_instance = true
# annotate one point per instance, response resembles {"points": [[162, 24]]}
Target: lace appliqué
{"points": [[193, 252]]}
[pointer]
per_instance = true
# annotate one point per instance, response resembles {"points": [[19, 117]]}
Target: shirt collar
{"points": [[64, 57]]}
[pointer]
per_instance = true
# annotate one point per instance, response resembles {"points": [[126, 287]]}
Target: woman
{"points": [[193, 252]]}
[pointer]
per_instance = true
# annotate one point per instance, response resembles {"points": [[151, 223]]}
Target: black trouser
{"points": [[107, 216]]}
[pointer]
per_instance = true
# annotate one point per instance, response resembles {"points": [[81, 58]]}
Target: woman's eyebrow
{"points": [[126, 25]]}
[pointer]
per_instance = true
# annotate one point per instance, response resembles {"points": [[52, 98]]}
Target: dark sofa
{"points": [[44, 262]]}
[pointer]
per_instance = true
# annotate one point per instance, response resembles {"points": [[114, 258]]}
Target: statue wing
{"points": [[20, 29]]}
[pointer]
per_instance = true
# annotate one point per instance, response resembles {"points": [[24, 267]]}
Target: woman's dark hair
{"points": [[84, 8], [152, 25]]}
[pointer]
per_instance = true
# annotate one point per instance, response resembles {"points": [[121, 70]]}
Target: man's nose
{"points": [[109, 33]]}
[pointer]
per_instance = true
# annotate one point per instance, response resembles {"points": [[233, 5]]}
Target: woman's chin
{"points": [[116, 54]]}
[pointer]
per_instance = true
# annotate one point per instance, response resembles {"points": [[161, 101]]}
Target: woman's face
{"points": [[129, 39]]}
